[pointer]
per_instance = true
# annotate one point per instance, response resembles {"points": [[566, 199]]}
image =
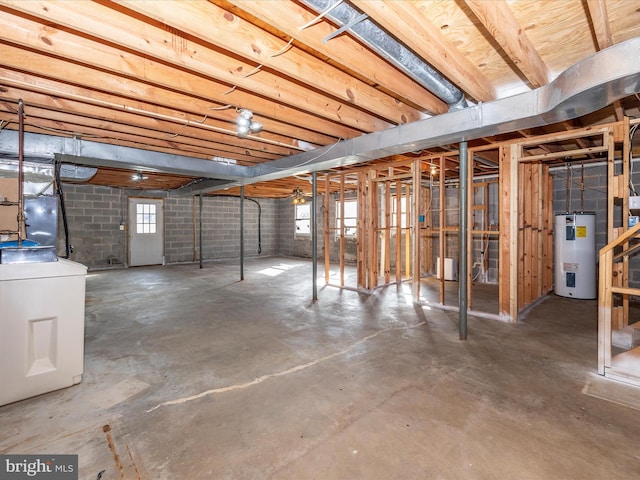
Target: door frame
{"points": [[131, 224]]}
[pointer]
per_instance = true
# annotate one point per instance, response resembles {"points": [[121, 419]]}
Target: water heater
{"points": [[575, 255]]}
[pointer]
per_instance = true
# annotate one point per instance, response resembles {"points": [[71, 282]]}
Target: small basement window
{"points": [[303, 219], [350, 218]]}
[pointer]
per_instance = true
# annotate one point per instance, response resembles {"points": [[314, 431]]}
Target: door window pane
{"points": [[145, 218]]}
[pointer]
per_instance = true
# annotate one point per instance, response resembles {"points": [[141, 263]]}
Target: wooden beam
{"points": [[361, 222], [563, 154], [600, 20], [387, 231], [626, 179], [412, 28], [175, 130], [470, 225], [209, 22], [605, 306], [524, 235], [398, 202], [96, 129], [139, 97], [288, 17], [372, 229], [502, 25], [155, 48]]}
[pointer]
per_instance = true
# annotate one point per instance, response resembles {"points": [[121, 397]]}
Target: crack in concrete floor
{"points": [[297, 368]]}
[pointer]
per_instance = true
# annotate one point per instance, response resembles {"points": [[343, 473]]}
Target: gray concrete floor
{"points": [[191, 373]]}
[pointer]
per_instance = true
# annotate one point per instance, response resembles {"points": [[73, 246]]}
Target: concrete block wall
{"points": [[221, 232], [594, 197], [94, 215], [290, 243], [179, 231], [595, 200]]}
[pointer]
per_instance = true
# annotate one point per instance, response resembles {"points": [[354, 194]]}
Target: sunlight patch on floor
{"points": [[277, 269]]}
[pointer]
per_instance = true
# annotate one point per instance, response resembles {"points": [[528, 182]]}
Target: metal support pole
{"points": [[200, 228], [314, 233], [242, 232], [21, 218], [463, 239]]}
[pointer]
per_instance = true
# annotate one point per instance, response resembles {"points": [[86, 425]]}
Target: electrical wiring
{"points": [[632, 132], [283, 49], [306, 162]]}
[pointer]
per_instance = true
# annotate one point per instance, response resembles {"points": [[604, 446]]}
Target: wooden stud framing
{"points": [[398, 202], [407, 232], [470, 200], [521, 274], [604, 311], [362, 231], [426, 256], [372, 230], [525, 218], [626, 174], [387, 229]]}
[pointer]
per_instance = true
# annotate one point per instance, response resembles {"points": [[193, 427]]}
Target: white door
{"points": [[146, 231]]}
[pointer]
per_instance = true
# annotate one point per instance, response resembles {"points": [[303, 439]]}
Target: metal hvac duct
{"points": [[372, 35], [41, 170], [76, 173]]}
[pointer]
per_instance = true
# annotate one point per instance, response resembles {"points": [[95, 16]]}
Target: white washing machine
{"points": [[41, 327]]}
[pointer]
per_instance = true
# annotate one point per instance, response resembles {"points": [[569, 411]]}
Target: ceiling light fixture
{"points": [[298, 196], [245, 123]]}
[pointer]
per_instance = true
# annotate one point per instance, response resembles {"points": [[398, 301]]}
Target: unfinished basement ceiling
{"points": [[171, 76]]}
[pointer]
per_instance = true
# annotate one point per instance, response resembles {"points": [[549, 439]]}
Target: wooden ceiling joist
{"points": [[171, 76], [502, 25], [193, 132], [155, 47], [288, 17], [416, 31], [204, 20], [112, 91]]}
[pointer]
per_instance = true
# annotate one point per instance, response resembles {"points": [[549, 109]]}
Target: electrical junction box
{"points": [[634, 205], [633, 221]]}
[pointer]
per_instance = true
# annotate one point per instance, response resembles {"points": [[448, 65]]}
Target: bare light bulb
{"points": [[243, 130]]}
